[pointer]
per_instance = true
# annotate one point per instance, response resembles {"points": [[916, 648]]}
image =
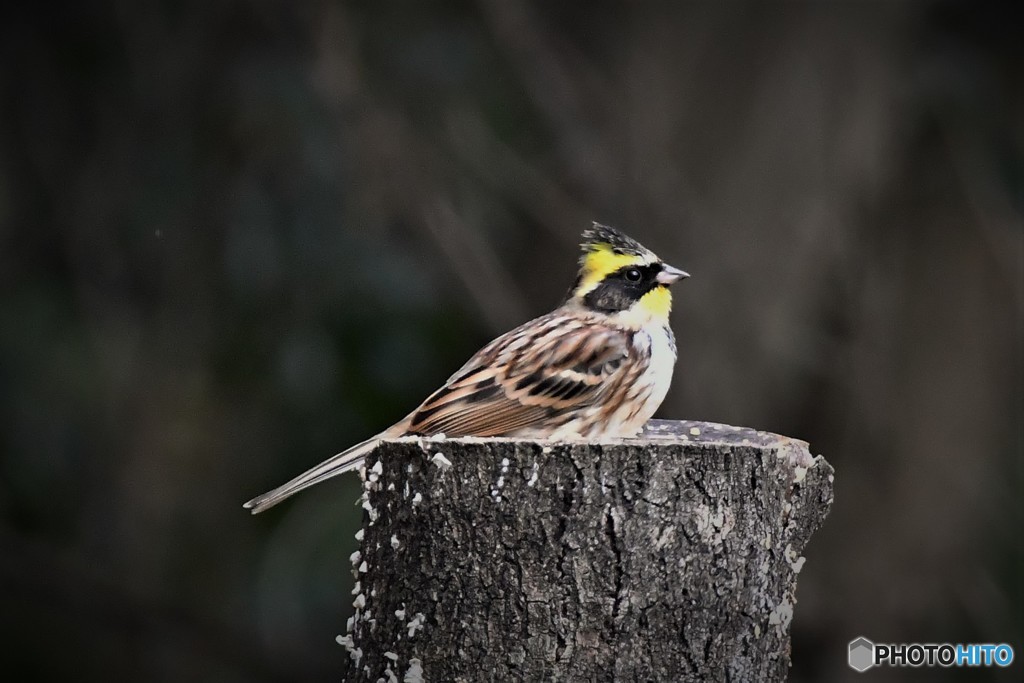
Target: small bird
{"points": [[598, 366]]}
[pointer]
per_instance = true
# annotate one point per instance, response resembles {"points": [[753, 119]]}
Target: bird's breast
{"points": [[638, 401], [661, 348]]}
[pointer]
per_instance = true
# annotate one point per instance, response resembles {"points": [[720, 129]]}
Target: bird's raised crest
{"points": [[600, 237]]}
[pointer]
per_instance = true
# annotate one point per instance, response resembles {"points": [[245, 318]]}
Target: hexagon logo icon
{"points": [[862, 654]]}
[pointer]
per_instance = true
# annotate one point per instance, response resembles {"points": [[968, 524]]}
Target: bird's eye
{"points": [[633, 275]]}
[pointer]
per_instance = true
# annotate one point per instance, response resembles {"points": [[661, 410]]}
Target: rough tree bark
{"points": [[671, 557]]}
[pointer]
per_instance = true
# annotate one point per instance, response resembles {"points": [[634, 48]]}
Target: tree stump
{"points": [[669, 557]]}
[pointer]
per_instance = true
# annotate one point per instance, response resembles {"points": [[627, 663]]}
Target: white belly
{"points": [[659, 374], [650, 388]]}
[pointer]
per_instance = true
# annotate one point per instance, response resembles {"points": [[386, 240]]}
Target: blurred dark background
{"points": [[236, 237]]}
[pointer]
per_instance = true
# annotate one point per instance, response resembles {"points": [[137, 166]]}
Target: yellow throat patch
{"points": [[657, 303], [653, 307]]}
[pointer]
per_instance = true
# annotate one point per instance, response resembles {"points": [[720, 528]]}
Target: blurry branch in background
{"points": [[562, 83], [418, 189], [483, 274], [1000, 226], [532, 189]]}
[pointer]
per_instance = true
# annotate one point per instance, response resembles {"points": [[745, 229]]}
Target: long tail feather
{"points": [[342, 462]]}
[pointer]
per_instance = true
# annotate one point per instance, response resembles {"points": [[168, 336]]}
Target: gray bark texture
{"points": [[669, 557]]}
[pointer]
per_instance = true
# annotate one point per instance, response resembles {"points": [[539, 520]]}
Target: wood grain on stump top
{"points": [[669, 557]]}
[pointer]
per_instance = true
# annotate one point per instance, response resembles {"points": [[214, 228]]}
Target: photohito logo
{"points": [[863, 654]]}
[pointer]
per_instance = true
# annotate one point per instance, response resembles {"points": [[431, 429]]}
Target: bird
{"points": [[596, 367]]}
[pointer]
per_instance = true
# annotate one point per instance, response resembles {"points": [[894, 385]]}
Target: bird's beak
{"points": [[669, 275]]}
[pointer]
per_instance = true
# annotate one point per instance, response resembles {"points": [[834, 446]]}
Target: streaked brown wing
{"points": [[543, 369]]}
